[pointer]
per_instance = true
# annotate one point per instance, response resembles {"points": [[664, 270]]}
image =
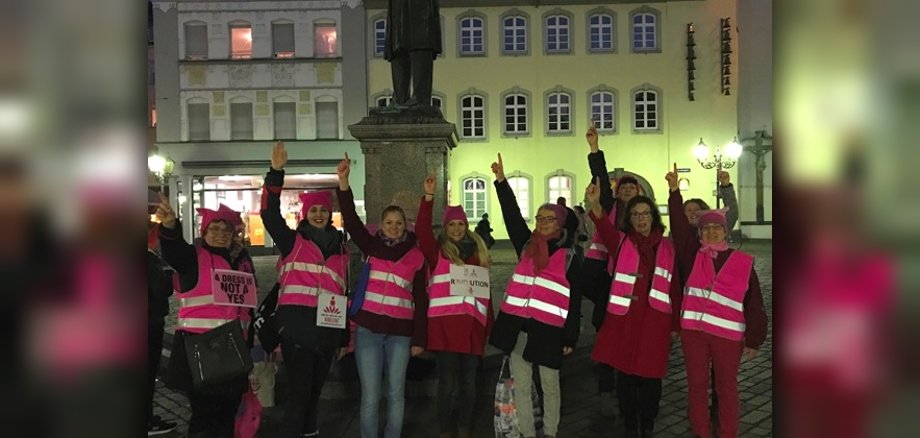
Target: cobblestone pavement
{"points": [[581, 413]]}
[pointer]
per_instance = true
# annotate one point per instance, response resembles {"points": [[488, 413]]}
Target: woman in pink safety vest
{"points": [[722, 319], [213, 407], [313, 269], [598, 267], [457, 325], [641, 314], [538, 320], [392, 322]]}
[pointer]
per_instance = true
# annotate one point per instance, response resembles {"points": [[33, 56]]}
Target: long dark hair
{"points": [[656, 215], [701, 203]]}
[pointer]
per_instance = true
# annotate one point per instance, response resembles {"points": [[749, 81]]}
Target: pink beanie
{"points": [[454, 213], [321, 197], [223, 213], [714, 217], [561, 212]]}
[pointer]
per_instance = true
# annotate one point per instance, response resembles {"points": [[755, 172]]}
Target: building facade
{"points": [[525, 79], [233, 77]]}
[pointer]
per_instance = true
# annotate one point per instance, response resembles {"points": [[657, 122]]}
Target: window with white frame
{"points": [[603, 110], [644, 32], [196, 40], [557, 34], [240, 41], [560, 186], [474, 197], [327, 120], [380, 36], [326, 40], [285, 119], [645, 105], [473, 116], [241, 121], [600, 32], [283, 40], [437, 102], [515, 114], [472, 39], [560, 110], [384, 101], [199, 121], [514, 35], [521, 187]]}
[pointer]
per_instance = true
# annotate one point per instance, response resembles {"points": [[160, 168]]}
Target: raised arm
{"points": [[684, 236], [610, 235], [727, 193], [598, 165], [353, 225], [515, 224], [283, 235], [176, 251], [423, 227]]}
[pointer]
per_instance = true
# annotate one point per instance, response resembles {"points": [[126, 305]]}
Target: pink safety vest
{"points": [[389, 286], [197, 311], [625, 273], [441, 302], [304, 274], [714, 303], [597, 250], [543, 297]]}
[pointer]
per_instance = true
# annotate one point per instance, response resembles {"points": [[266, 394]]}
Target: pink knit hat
{"points": [[561, 212], [237, 220], [454, 213], [714, 217], [223, 213], [320, 197]]}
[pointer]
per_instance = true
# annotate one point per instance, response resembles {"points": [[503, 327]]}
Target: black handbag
{"points": [[265, 324], [219, 355]]}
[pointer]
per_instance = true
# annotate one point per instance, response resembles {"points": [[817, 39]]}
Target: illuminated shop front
{"points": [[243, 193]]}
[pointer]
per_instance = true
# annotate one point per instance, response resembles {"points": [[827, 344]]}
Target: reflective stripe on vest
{"points": [[442, 303], [543, 297], [197, 311], [305, 273], [389, 285], [624, 278], [714, 303], [597, 250]]}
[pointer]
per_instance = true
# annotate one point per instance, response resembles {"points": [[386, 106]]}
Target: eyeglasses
{"points": [[546, 218], [220, 230], [641, 215]]}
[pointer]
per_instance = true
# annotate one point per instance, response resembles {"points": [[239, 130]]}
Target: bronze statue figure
{"points": [[413, 41]]}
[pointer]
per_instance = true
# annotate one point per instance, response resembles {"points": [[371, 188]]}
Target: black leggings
{"points": [[306, 369], [456, 389], [639, 398]]}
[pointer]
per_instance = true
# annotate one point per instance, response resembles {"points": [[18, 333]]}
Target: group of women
{"points": [[655, 290]]}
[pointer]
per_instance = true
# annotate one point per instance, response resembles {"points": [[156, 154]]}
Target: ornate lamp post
{"points": [[718, 160], [162, 168]]}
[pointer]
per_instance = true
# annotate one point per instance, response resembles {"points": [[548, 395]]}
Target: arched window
{"points": [[558, 34], [380, 36], [472, 36], [646, 109], [559, 185], [514, 35], [559, 107], [515, 113], [520, 185], [475, 197], [600, 33], [645, 32], [603, 110], [473, 116]]}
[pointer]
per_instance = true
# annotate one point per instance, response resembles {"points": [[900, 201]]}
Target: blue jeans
{"points": [[392, 352]]}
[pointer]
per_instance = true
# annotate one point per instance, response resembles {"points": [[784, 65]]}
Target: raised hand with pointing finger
{"points": [[498, 168], [279, 156], [429, 187], [343, 170], [724, 178], [593, 196], [165, 213], [591, 136], [672, 178]]}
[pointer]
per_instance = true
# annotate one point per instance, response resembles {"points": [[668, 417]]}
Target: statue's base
{"points": [[403, 115]]}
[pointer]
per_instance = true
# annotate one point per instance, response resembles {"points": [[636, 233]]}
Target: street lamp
{"points": [[162, 168], [718, 160]]}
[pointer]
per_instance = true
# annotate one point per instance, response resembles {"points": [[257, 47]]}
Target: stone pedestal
{"points": [[400, 148]]}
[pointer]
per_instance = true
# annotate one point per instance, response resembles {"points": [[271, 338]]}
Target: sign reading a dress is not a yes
{"points": [[469, 281]]}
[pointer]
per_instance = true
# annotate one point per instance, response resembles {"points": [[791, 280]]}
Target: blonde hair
{"points": [[453, 252]]}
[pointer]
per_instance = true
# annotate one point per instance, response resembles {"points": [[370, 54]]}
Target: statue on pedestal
{"points": [[413, 41]]}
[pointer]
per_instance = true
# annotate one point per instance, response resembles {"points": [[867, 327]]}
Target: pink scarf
{"points": [[713, 249]]}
